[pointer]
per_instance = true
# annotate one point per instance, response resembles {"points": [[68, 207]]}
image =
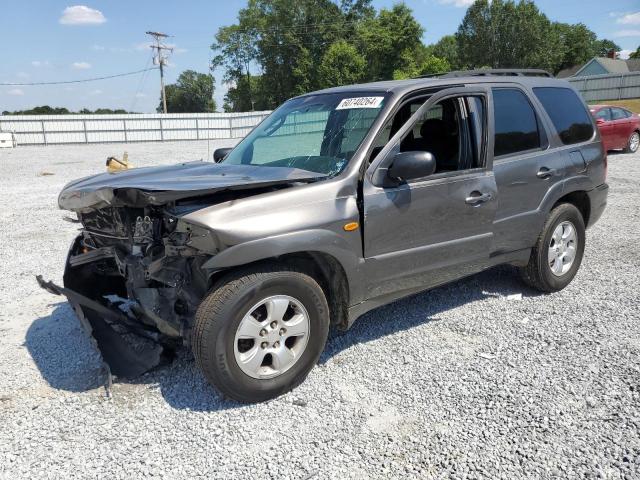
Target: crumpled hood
{"points": [[140, 187]]}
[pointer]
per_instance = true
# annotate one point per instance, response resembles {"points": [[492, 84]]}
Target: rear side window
{"points": [[567, 113], [618, 114], [516, 125]]}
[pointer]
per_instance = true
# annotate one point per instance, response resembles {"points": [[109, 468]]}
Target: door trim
{"points": [[426, 248]]}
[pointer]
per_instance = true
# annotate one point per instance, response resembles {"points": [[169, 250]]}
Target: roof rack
{"points": [[507, 72]]}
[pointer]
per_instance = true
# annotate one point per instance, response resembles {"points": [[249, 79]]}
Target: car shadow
{"points": [[68, 361]]}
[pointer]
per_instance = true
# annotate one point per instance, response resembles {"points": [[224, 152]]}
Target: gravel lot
{"points": [[480, 379]]}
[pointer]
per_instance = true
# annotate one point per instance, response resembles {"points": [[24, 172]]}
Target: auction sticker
{"points": [[360, 102]]}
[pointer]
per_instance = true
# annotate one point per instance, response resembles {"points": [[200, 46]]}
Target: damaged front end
{"points": [[133, 277], [135, 273]]}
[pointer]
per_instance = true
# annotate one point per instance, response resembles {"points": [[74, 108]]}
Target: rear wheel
{"points": [[557, 254], [260, 332], [633, 143]]}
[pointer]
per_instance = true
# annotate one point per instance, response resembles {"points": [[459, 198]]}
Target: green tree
{"points": [[505, 34], [237, 49], [341, 65], [192, 93], [245, 94], [428, 65], [601, 48], [577, 44], [635, 54], [447, 48], [388, 41]]}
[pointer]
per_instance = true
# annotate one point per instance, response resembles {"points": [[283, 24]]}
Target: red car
{"points": [[619, 128]]}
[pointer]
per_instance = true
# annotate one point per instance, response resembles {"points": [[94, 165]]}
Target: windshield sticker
{"points": [[360, 102]]}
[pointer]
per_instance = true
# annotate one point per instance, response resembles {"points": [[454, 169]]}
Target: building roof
{"points": [[613, 65], [610, 65], [634, 64], [568, 72]]}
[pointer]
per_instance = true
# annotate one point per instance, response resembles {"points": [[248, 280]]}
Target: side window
{"points": [[451, 130], [567, 113], [437, 131], [604, 114], [516, 124], [617, 114], [627, 113], [476, 114]]}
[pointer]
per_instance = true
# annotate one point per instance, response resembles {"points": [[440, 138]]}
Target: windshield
{"points": [[319, 133]]}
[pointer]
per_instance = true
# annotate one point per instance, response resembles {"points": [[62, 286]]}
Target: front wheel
{"points": [[557, 254], [260, 332], [633, 143]]}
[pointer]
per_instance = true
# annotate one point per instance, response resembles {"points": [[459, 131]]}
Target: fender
{"points": [[315, 240]]}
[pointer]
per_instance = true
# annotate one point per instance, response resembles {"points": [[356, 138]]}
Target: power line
{"points": [[141, 82], [95, 79]]}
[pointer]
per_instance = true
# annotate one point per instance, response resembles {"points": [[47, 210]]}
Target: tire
{"points": [[538, 273], [633, 143], [217, 349]]}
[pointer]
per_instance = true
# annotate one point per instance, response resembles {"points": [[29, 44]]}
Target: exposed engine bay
{"points": [[134, 275]]}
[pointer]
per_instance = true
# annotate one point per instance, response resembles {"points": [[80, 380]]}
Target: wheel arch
{"points": [[580, 200], [321, 266]]}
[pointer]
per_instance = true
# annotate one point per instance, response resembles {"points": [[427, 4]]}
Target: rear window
{"points": [[516, 125], [567, 113]]}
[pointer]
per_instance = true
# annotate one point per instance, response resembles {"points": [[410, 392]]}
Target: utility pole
{"points": [[159, 47]]}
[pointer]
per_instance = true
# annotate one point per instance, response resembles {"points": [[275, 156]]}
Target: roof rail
{"points": [[507, 72]]}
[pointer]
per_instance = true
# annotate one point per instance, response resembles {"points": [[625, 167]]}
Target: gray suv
{"points": [[340, 201]]}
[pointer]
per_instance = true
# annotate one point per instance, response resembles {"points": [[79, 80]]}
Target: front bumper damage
{"points": [[134, 280], [108, 328], [137, 272]]}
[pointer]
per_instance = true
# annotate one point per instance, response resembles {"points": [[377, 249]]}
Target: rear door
{"points": [[431, 230], [621, 127], [624, 125], [524, 166]]}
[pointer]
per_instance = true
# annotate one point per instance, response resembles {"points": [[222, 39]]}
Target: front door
{"points": [[606, 127], [427, 231]]}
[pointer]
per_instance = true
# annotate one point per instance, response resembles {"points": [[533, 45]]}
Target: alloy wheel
{"points": [[634, 142], [271, 337], [562, 248]]}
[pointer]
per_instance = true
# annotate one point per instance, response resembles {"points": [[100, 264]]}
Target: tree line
{"points": [[281, 48], [47, 110]]}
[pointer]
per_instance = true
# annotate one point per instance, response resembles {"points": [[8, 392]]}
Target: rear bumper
{"points": [[598, 201]]}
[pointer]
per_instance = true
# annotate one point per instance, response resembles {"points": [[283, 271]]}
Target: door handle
{"points": [[545, 172], [478, 198]]}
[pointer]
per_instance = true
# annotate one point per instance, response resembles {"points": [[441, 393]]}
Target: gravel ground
{"points": [[480, 379]]}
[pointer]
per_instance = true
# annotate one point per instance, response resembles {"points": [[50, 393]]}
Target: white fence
{"points": [[62, 129], [615, 86]]}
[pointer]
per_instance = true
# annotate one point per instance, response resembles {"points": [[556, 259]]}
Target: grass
{"points": [[632, 104]]}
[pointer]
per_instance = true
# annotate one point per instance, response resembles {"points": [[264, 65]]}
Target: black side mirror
{"points": [[410, 165], [220, 153]]}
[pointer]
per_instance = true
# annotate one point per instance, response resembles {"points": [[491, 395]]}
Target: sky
{"points": [[50, 40]]}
